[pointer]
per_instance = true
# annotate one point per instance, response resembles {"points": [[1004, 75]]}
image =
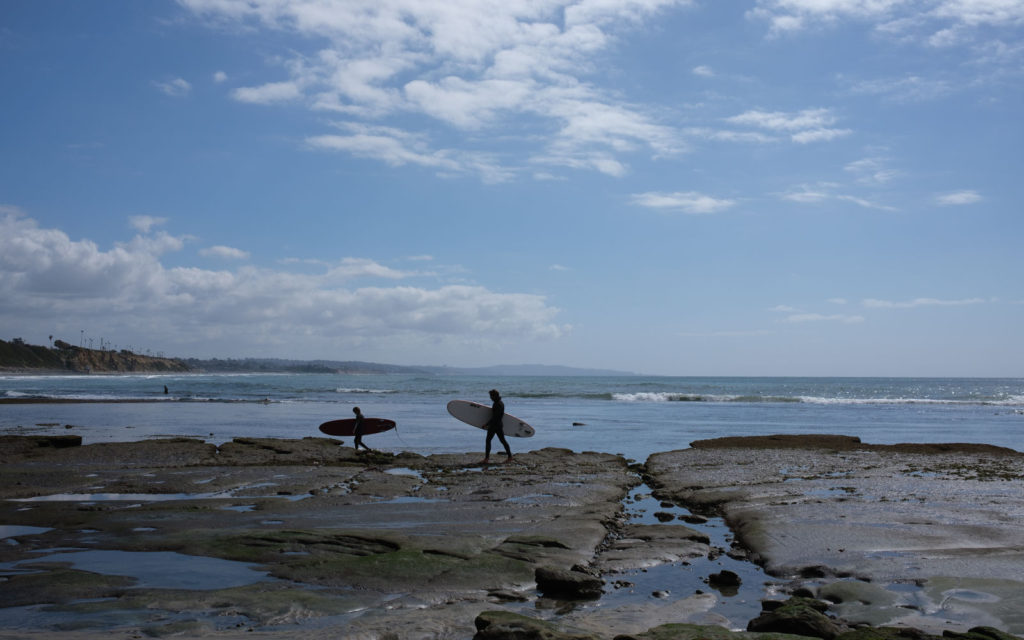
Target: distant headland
{"points": [[17, 356]]}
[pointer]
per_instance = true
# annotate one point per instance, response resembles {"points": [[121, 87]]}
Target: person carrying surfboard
{"points": [[359, 429], [494, 427]]}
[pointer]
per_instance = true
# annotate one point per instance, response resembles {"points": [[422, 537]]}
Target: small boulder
{"points": [[798, 616], [567, 584], [724, 578]]}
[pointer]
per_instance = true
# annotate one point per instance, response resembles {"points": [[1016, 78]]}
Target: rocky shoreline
{"points": [[904, 540]]}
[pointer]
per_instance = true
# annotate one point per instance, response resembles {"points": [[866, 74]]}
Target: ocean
{"points": [[629, 415]]}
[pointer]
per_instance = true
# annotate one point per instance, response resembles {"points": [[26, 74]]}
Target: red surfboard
{"points": [[347, 427]]}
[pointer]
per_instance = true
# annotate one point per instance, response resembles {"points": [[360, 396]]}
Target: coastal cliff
{"points": [[19, 356]]}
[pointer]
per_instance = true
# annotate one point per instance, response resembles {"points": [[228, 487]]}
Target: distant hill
{"points": [[281, 365], [19, 356]]}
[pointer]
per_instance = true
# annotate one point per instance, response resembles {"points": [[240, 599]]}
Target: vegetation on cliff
{"points": [[19, 356]]}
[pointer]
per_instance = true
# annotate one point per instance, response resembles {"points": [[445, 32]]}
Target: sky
{"points": [[667, 187]]}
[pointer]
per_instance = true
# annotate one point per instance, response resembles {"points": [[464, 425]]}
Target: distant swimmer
{"points": [[165, 390]]}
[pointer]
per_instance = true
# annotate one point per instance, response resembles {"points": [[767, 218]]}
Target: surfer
{"points": [[494, 427], [359, 429]]}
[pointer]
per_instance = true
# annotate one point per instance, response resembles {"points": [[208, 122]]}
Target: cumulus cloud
{"points": [[685, 201], [468, 67], [806, 126], [967, 196], [48, 277], [220, 77]]}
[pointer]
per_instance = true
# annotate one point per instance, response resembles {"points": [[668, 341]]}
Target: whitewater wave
{"points": [[358, 390], [662, 396]]}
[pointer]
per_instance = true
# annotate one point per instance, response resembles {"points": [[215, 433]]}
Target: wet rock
{"points": [[724, 578], [663, 516], [642, 546], [503, 595], [675, 631], [568, 584], [981, 633], [799, 616], [502, 625], [59, 584]]}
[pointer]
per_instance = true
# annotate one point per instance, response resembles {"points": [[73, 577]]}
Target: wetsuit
{"points": [[359, 433], [494, 428]]}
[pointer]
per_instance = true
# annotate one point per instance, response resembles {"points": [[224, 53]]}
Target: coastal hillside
{"points": [[20, 356]]}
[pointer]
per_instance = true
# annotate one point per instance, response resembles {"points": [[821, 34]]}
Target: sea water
{"points": [[630, 415]]}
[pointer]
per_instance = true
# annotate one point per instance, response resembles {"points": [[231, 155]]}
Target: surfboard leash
{"points": [[400, 437]]}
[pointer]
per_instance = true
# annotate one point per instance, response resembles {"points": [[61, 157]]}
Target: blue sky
{"points": [[760, 187]]}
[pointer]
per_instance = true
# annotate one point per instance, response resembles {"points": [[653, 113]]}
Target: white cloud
{"points": [[177, 87], [229, 253], [838, 300], [826, 191], [220, 77], [685, 201], [145, 224], [350, 268], [873, 303], [808, 125], [867, 204], [910, 88], [470, 66], [809, 194], [268, 93], [819, 135], [725, 334], [703, 70], [872, 171], [800, 318], [931, 22], [967, 196], [47, 277], [397, 147]]}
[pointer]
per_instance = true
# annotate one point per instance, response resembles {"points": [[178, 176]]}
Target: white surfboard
{"points": [[479, 415]]}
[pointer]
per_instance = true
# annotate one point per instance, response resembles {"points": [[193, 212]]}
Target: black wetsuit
{"points": [[359, 433], [494, 428]]}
